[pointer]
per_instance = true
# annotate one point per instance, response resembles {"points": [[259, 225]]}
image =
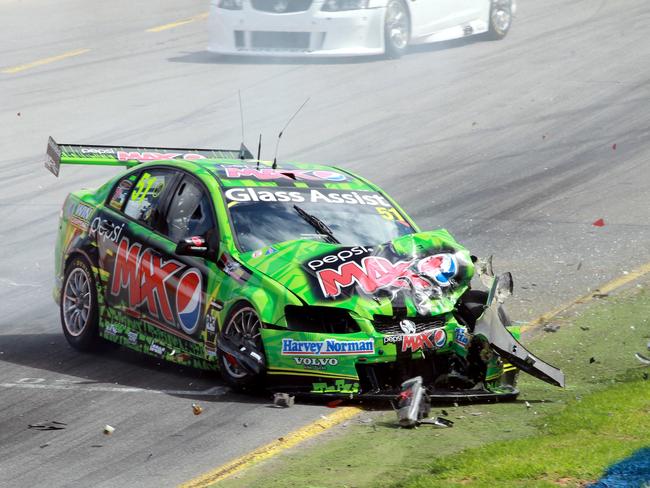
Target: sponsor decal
{"points": [[156, 156], [374, 273], [316, 363], [233, 268], [111, 330], [461, 337], [188, 300], [431, 339], [97, 150], [121, 192], [144, 274], [267, 174], [339, 386], [53, 157], [441, 267], [157, 349], [132, 337], [211, 326], [250, 194], [393, 339], [257, 254], [105, 229], [328, 347], [81, 215]]}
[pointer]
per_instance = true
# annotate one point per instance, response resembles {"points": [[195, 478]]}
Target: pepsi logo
{"points": [[441, 268], [439, 338], [328, 175], [189, 300]]}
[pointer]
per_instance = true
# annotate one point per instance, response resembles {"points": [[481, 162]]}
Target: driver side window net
{"points": [[190, 213], [146, 194]]}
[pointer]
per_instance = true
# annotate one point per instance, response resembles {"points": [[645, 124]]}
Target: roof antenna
{"points": [[259, 151], [242, 149], [277, 145]]}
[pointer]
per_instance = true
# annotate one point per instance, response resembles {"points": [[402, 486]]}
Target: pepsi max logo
{"points": [[439, 338], [442, 268], [188, 301]]}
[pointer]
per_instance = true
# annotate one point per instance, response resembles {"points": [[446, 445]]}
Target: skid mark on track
{"points": [[43, 384]]}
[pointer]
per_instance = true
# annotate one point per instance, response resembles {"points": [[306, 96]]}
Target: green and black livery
{"points": [[302, 278]]}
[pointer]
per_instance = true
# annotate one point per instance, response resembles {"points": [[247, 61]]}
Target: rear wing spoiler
{"points": [[129, 156]]}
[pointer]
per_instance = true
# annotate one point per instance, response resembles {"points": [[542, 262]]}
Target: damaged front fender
{"points": [[491, 327]]}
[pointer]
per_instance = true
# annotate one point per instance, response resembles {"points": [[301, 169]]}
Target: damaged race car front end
{"points": [[373, 317]]}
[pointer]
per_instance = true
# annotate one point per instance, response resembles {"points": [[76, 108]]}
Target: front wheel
{"points": [[501, 14], [242, 329], [397, 29], [79, 312]]}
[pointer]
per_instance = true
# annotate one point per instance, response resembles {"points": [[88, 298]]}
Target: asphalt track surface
{"points": [[509, 145]]}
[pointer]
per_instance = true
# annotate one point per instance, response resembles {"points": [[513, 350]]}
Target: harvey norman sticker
{"points": [[328, 347]]}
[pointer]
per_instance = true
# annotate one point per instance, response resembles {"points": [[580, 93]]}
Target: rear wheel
{"points": [[500, 19], [79, 312], [243, 328], [397, 29]]}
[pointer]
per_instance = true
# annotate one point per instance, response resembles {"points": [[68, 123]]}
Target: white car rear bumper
{"points": [[311, 33]]}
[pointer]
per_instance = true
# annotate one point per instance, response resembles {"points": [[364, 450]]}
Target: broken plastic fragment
{"points": [[438, 422], [527, 404], [551, 327], [108, 430], [283, 400], [197, 409], [334, 403], [599, 223]]}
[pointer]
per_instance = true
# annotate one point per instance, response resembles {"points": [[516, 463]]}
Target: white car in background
{"points": [[349, 27]]}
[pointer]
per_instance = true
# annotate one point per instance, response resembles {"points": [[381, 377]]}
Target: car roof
{"points": [[230, 173]]}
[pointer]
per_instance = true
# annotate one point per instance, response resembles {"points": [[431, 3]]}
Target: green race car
{"points": [[302, 278]]}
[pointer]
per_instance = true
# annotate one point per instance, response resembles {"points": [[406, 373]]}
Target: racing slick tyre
{"points": [[242, 328], [500, 19], [397, 29], [78, 305]]}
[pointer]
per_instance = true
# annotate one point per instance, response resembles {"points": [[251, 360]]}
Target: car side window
{"points": [[146, 195], [190, 213]]}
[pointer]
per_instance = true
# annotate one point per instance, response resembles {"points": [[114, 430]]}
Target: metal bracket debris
{"points": [[48, 425], [413, 403], [283, 400]]}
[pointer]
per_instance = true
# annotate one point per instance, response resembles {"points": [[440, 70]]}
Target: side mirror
{"points": [[196, 246]]}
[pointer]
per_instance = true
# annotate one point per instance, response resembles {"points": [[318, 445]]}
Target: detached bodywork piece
{"points": [[303, 278], [327, 28]]}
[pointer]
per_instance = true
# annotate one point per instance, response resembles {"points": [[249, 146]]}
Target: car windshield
{"points": [[263, 216]]}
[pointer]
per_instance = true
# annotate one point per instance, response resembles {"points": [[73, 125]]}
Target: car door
{"points": [[189, 217], [430, 16], [121, 232]]}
